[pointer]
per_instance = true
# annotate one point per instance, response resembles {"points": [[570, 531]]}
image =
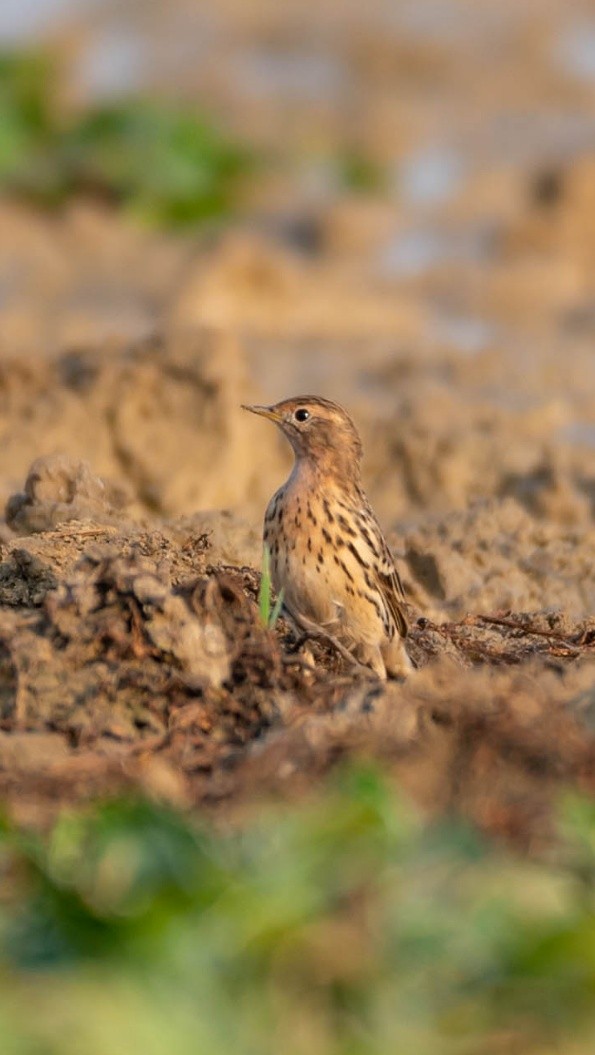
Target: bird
{"points": [[326, 549]]}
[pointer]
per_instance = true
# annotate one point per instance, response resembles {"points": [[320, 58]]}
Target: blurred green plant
{"points": [[359, 173], [163, 163], [343, 927], [26, 121], [269, 612]]}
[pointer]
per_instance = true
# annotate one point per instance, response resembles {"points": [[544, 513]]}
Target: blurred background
{"points": [[392, 206]]}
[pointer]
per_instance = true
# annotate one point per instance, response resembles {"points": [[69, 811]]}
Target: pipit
{"points": [[327, 552]]}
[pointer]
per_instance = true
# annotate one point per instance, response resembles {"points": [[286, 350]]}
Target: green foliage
{"points": [[360, 173], [345, 927], [269, 612], [164, 164]]}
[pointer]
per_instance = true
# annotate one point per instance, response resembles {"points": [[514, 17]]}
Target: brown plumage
{"points": [[327, 551]]}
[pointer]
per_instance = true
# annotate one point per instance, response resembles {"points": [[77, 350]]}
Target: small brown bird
{"points": [[327, 551]]}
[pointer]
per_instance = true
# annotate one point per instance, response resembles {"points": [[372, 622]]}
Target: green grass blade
{"points": [[276, 610], [264, 593], [268, 613]]}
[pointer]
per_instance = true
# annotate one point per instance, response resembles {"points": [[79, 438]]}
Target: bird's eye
{"points": [[301, 414]]}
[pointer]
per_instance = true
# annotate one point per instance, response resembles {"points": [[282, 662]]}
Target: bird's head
{"points": [[319, 431]]}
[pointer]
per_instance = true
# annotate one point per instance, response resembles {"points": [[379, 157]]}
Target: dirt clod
{"points": [[59, 489]]}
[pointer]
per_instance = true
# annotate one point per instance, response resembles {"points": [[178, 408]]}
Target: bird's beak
{"points": [[265, 412]]}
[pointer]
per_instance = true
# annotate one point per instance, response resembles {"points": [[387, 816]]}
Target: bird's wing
{"points": [[391, 587], [377, 558]]}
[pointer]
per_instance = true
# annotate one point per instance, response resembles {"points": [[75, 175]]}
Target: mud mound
{"points": [[496, 746], [496, 556], [456, 429], [267, 291], [96, 660], [78, 278], [561, 222], [160, 417], [32, 566], [132, 657], [116, 656], [58, 489]]}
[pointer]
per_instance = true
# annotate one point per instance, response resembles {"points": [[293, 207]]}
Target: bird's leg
{"points": [[300, 637], [310, 631]]}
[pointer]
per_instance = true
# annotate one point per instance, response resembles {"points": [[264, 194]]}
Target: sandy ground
{"points": [[456, 323]]}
